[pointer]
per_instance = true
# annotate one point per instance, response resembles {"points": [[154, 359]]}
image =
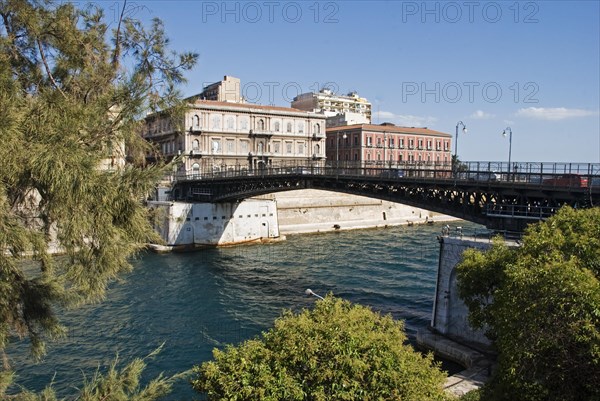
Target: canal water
{"points": [[194, 302]]}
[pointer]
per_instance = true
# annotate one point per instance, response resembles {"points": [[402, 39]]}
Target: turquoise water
{"points": [[196, 301]]}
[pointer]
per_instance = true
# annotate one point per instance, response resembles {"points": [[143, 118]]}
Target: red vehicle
{"points": [[567, 180]]}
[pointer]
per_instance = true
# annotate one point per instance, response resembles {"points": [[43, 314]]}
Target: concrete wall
{"points": [[309, 210], [182, 224], [450, 315]]}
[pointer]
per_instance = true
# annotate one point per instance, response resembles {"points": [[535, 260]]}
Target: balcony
{"points": [[260, 134], [195, 129], [318, 137], [196, 153]]}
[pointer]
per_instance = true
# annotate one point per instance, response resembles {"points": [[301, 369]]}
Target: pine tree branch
{"points": [[117, 52], [43, 55]]}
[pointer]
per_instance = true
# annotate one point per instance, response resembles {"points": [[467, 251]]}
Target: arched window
{"points": [[317, 129], [261, 147], [317, 149], [196, 144], [289, 127], [196, 121], [261, 125], [196, 169]]}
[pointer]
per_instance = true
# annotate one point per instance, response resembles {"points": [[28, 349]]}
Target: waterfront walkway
{"points": [[478, 366]]}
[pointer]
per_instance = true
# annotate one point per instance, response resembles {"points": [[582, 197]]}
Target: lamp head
{"points": [[464, 130], [504, 133]]}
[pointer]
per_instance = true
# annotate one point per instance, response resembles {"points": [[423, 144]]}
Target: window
{"points": [[288, 148], [196, 169], [261, 147], [301, 127], [277, 126], [244, 146], [216, 122], [196, 121], [277, 147], [301, 148], [230, 146], [289, 127], [261, 125], [195, 144], [317, 149], [356, 140], [216, 145], [317, 129], [369, 141], [411, 143], [230, 123], [244, 123], [401, 143]]}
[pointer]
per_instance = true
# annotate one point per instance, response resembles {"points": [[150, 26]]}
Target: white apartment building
{"points": [[330, 104]]}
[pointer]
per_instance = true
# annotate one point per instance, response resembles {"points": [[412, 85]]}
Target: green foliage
{"points": [[335, 351], [545, 314], [72, 93], [116, 384]]}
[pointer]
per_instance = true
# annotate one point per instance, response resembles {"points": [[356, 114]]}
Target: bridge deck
{"points": [[504, 200]]}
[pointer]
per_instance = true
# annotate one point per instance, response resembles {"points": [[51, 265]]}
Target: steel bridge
{"points": [[497, 195]]}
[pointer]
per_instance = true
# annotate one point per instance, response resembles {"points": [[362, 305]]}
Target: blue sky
{"points": [[533, 66]]}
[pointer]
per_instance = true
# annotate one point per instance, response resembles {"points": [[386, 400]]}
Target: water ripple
{"points": [[197, 301]]}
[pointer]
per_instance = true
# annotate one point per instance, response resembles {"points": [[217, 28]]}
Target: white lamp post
{"points": [[509, 144], [464, 129]]}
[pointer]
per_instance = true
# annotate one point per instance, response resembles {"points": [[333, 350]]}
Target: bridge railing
{"points": [[565, 175]]}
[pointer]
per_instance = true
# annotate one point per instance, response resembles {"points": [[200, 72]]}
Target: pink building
{"points": [[386, 145]]}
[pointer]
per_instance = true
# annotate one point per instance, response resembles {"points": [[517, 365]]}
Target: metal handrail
{"points": [[564, 175]]}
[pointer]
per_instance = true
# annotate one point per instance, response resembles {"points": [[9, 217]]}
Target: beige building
{"points": [[227, 90], [387, 145], [330, 104], [238, 137]]}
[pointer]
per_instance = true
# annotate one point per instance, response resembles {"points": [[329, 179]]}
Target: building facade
{"points": [[227, 90], [386, 145], [330, 104], [218, 137]]}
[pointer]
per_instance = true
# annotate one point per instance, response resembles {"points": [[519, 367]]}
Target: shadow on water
{"points": [[197, 301]]}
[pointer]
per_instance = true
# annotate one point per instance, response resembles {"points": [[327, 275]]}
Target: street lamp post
{"points": [[310, 292], [337, 148], [509, 144], [464, 129]]}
